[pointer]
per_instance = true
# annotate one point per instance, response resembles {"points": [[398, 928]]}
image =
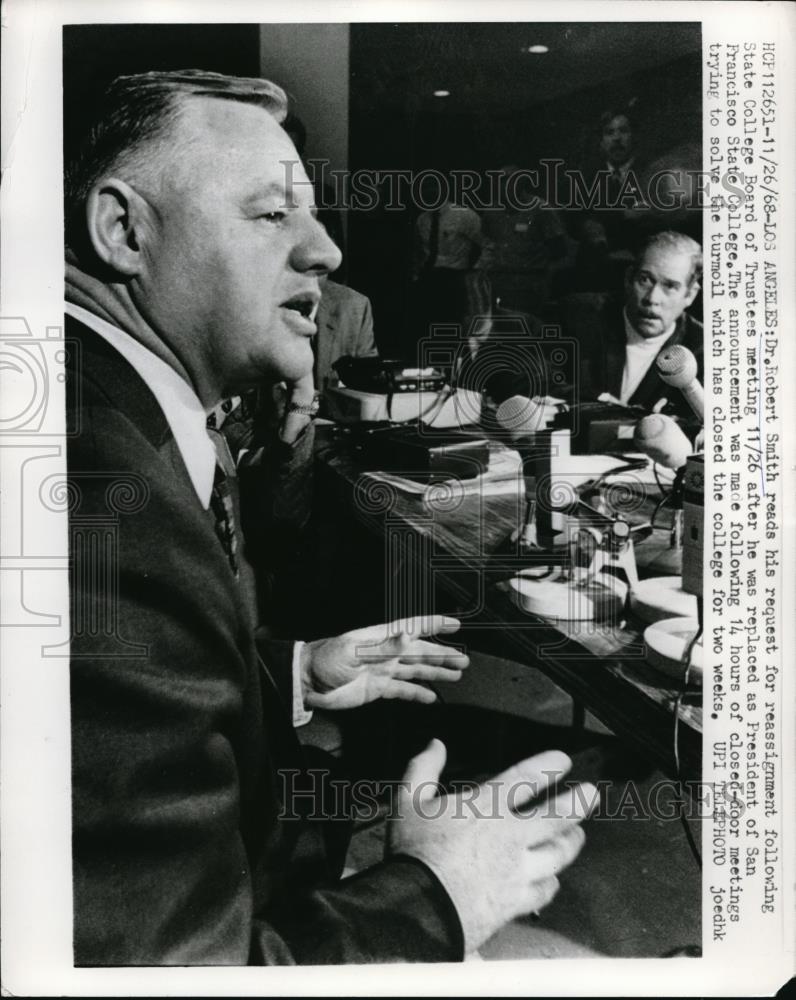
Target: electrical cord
{"points": [[661, 503], [657, 477], [686, 661], [632, 465], [667, 496], [443, 395]]}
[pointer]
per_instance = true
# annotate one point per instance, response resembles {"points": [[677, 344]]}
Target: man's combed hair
{"points": [[137, 111], [678, 243]]}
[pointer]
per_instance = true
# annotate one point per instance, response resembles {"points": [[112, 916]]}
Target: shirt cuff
{"points": [[301, 716]]}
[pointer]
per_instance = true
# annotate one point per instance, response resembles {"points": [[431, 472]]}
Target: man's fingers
{"points": [[552, 857], [534, 895], [557, 815], [542, 893], [451, 659], [408, 650], [415, 628], [425, 672], [374, 642], [407, 691], [423, 771], [525, 780], [433, 652]]}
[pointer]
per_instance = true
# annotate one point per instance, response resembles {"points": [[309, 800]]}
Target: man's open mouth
{"points": [[305, 305]]}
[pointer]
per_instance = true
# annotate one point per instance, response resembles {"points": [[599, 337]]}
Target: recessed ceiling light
{"points": [[536, 50], [442, 93]]}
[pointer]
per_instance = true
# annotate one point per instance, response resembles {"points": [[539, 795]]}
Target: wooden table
{"points": [[449, 552]]}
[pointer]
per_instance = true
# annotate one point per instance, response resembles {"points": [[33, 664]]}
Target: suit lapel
{"points": [[614, 353], [130, 395]]}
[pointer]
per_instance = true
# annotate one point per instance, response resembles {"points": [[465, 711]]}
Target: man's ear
{"points": [[693, 291], [115, 216]]}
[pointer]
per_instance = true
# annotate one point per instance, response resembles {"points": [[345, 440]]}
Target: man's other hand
{"points": [[380, 661], [496, 860]]}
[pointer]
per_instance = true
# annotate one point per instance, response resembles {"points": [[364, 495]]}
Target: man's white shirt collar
{"points": [[181, 406], [640, 353]]}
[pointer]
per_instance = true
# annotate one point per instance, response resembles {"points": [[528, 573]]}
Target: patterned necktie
{"points": [[222, 502]]}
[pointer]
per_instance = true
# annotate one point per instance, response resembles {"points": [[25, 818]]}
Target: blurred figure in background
{"points": [[605, 231], [523, 239], [345, 326], [447, 248]]}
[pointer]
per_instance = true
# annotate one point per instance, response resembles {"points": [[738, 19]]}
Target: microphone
{"points": [[660, 438], [677, 367], [519, 414], [522, 416]]}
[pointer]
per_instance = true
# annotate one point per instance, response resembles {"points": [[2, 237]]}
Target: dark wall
{"points": [[96, 53]]}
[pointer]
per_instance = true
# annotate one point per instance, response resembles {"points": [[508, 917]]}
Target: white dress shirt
{"points": [[181, 407], [640, 353], [187, 420]]}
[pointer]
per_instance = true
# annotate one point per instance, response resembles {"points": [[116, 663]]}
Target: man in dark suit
{"points": [[619, 340], [345, 326], [193, 274], [614, 341]]}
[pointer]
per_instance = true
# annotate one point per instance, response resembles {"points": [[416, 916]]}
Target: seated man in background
{"points": [[192, 276], [345, 326], [620, 339]]}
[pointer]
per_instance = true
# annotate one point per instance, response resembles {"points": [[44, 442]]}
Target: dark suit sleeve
{"points": [[366, 341], [396, 911], [179, 854]]}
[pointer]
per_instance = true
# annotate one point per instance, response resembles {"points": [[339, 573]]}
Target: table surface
{"points": [[463, 536]]}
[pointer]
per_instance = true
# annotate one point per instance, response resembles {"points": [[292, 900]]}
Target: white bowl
{"points": [[667, 642]]}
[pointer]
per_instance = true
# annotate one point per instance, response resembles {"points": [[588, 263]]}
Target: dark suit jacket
{"points": [[609, 197], [345, 326], [599, 329], [180, 855]]}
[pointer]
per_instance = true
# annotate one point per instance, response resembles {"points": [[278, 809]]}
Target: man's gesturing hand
{"points": [[495, 861], [380, 661]]}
